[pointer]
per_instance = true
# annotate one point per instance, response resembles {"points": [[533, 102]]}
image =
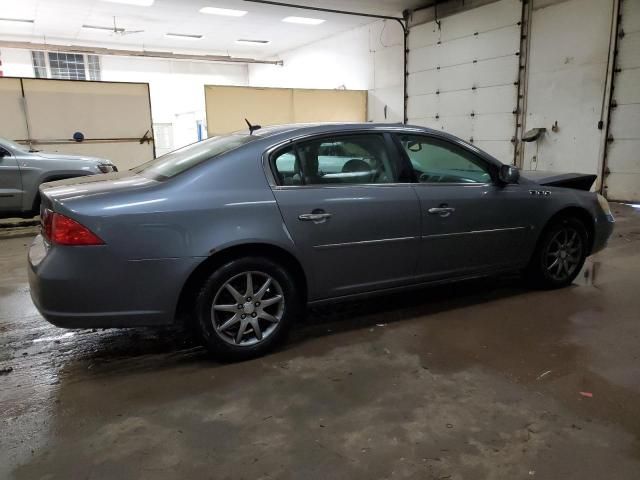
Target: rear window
{"points": [[178, 161]]}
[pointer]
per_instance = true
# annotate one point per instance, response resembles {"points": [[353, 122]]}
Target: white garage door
{"points": [[463, 75], [623, 153]]}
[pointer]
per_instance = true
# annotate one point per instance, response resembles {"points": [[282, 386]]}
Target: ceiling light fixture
{"points": [[253, 42], [96, 27], [183, 36], [226, 12], [137, 3], [19, 21], [303, 20]]}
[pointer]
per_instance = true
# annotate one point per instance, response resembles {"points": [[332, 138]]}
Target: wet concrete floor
{"points": [[476, 380]]}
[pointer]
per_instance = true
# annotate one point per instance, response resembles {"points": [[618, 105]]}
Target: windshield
{"points": [[14, 146], [180, 160]]}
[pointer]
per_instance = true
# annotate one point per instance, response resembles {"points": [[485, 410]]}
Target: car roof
{"points": [[270, 135], [320, 127]]}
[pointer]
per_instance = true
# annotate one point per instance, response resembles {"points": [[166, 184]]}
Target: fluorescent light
{"points": [[226, 12], [19, 21], [183, 36], [252, 42], [303, 20], [137, 3]]}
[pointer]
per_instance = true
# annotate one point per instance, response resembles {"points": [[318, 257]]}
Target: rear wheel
{"points": [[246, 308], [560, 254]]}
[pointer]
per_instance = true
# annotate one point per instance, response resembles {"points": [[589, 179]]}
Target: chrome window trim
{"points": [[345, 185], [454, 184], [268, 167], [395, 184], [381, 130]]}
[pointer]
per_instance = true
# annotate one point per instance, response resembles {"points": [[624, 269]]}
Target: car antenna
{"points": [[252, 128]]}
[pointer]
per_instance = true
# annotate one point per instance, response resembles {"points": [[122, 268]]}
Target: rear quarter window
{"points": [[178, 161]]}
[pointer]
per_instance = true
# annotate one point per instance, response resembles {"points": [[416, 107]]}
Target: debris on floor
{"points": [[543, 374]]}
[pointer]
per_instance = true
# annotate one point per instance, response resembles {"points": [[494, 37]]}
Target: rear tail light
{"points": [[62, 230]]}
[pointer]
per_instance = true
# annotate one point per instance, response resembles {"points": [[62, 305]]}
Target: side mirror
{"points": [[509, 174]]}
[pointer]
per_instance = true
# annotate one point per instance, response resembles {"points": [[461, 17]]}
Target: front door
{"points": [[469, 223], [10, 183], [357, 227]]}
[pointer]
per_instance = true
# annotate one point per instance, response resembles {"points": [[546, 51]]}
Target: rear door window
{"points": [[337, 160]]}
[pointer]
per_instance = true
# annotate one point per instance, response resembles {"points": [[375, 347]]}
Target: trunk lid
{"points": [[73, 193]]}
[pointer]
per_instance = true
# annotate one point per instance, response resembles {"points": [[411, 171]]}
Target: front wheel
{"points": [[559, 255], [246, 308]]}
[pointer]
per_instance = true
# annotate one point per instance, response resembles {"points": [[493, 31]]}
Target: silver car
{"points": [[22, 170], [240, 232]]}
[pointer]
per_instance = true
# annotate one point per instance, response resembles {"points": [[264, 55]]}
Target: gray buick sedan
{"points": [[241, 232]]}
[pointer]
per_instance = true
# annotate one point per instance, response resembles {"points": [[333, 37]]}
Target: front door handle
{"points": [[442, 211], [317, 217]]}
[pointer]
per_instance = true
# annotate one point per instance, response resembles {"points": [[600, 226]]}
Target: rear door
{"points": [[469, 224], [341, 198], [10, 182]]}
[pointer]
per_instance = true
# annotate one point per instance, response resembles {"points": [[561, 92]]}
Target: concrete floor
{"points": [[478, 380]]}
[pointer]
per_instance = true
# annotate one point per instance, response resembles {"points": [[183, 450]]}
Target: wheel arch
{"points": [[197, 277], [576, 212]]}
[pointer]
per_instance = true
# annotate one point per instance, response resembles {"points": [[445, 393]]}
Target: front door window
{"points": [[437, 161]]}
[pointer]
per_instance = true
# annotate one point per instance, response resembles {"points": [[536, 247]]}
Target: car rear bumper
{"points": [[86, 287]]}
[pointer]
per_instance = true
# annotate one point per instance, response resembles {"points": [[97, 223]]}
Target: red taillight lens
{"points": [[46, 217], [64, 231]]}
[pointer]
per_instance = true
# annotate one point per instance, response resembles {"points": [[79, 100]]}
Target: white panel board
{"points": [[481, 47], [623, 187], [493, 16], [12, 121], [498, 149], [112, 116], [623, 153], [462, 76], [58, 108], [492, 72], [629, 50], [625, 122], [493, 126], [566, 81], [628, 86]]}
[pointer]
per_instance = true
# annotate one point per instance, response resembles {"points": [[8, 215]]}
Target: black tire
{"points": [[223, 343], [568, 237]]}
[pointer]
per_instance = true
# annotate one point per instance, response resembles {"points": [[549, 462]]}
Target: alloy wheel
{"points": [[247, 309], [563, 253]]}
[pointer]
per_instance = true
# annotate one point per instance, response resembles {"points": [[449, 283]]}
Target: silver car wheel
{"points": [[563, 253], [247, 309]]}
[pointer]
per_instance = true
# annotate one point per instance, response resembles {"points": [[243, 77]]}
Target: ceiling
{"points": [[60, 22]]}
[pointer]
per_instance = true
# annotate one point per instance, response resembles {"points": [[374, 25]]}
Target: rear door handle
{"points": [[314, 217], [442, 211]]}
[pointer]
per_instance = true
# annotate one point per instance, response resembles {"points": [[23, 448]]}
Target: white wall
{"points": [[367, 58], [16, 62]]}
